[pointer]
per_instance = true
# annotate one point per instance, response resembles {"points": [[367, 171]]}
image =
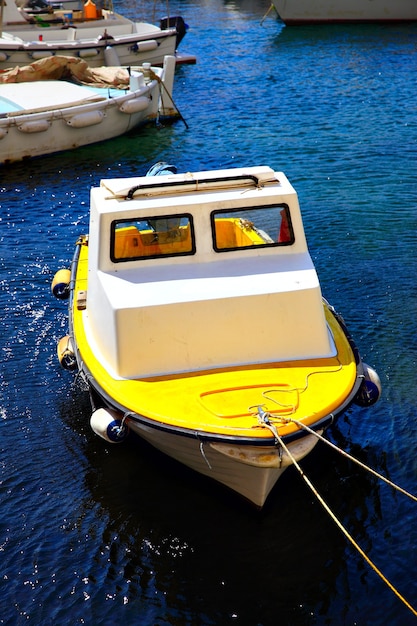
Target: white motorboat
{"points": [[103, 38], [341, 11], [196, 321]]}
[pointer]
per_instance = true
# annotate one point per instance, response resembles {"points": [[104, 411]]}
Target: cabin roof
{"points": [[196, 183]]}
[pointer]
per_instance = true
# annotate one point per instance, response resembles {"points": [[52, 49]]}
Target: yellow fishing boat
{"points": [[197, 321]]}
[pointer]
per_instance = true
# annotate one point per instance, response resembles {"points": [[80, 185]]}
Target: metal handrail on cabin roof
{"points": [[197, 184]]}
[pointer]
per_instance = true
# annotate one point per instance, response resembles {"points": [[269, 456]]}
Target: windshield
{"points": [[252, 226], [152, 237], [159, 236]]}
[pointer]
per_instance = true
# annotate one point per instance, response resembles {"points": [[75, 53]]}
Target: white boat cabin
{"points": [[198, 271]]}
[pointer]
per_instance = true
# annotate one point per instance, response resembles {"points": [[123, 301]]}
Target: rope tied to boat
{"points": [[290, 407], [285, 419], [264, 420], [162, 86], [267, 419], [203, 454]]}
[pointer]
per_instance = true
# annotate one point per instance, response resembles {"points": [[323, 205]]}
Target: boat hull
{"points": [[345, 11], [247, 466], [36, 136], [253, 482], [125, 51]]}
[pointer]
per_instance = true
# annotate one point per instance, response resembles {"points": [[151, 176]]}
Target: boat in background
{"points": [[100, 36], [342, 11], [196, 321], [40, 114]]}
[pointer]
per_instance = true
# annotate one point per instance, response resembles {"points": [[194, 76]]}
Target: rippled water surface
{"points": [[91, 534]]}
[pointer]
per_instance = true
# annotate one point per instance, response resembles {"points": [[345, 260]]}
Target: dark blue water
{"points": [[91, 534]]}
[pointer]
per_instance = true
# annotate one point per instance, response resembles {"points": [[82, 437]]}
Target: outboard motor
{"points": [[161, 169], [38, 5], [174, 22]]}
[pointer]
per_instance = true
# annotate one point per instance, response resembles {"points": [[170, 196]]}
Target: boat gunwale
{"points": [[86, 43], [208, 437], [66, 110]]}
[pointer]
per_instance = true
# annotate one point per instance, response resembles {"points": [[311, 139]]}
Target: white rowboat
{"points": [[40, 117]]}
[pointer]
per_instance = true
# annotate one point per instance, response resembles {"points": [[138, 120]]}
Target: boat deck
{"points": [[15, 97], [47, 95]]}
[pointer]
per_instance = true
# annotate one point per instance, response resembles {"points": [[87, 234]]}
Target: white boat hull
{"points": [[253, 482], [125, 50], [320, 11], [36, 135]]}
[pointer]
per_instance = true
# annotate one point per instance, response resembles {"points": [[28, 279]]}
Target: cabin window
{"points": [[250, 227], [152, 237]]}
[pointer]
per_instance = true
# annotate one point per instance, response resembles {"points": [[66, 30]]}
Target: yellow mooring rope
{"points": [[265, 420], [350, 457], [271, 8], [162, 86]]}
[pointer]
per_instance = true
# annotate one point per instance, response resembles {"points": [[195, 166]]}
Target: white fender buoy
{"points": [[111, 58], [66, 353], [37, 126], [3, 56], [370, 389], [85, 119], [145, 46], [88, 52], [135, 105], [106, 423], [60, 284], [41, 54]]}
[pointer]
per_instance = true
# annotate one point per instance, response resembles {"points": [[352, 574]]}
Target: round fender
{"points": [[107, 424], [144, 46], [89, 118], [40, 54], [60, 284], [110, 57], [66, 353], [88, 52], [36, 126], [135, 105], [370, 389]]}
